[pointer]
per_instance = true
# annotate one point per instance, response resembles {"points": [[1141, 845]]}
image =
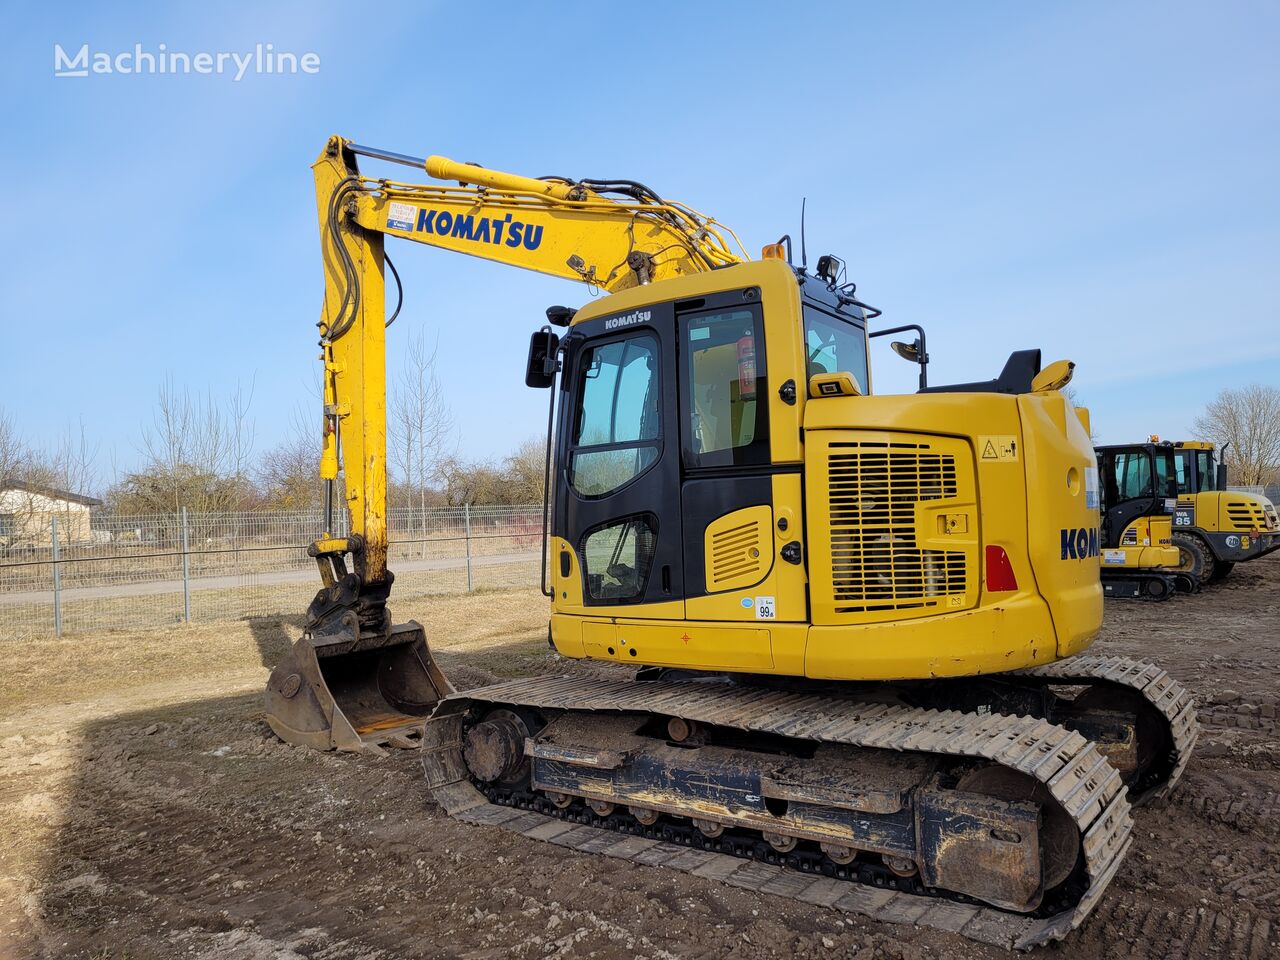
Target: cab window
{"points": [[1166, 474], [1206, 471], [833, 345], [616, 436], [1132, 475], [723, 385]]}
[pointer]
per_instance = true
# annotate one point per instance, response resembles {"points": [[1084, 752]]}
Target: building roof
{"points": [[50, 492]]}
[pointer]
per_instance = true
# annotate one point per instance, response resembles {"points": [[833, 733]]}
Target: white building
{"points": [[27, 513]]}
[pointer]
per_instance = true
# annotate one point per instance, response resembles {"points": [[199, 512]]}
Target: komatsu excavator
{"points": [[843, 633], [1139, 558]]}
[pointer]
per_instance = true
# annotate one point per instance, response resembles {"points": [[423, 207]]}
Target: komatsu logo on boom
{"points": [[465, 226], [1079, 544]]}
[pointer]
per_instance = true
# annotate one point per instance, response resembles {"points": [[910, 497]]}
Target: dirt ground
{"points": [[147, 811]]}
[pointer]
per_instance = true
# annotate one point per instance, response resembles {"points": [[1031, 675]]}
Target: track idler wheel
{"points": [[494, 748]]}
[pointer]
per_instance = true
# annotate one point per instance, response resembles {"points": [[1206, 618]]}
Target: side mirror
{"points": [[540, 372]]}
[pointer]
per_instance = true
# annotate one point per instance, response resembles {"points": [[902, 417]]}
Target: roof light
{"points": [[773, 251]]}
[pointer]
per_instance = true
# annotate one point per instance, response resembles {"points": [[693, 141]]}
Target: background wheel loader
{"points": [[847, 630]]}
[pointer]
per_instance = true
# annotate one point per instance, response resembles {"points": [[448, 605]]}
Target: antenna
{"points": [[804, 253]]}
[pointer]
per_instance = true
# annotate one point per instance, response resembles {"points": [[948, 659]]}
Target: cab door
{"points": [[1128, 492], [740, 564], [617, 486]]}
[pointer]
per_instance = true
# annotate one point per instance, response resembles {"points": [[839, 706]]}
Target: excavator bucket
{"points": [[355, 692]]}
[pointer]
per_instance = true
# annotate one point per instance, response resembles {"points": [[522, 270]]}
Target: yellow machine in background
{"points": [[1139, 558], [1216, 528], [845, 626], [1213, 528]]}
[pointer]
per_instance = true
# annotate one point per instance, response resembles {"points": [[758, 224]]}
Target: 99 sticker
{"points": [[765, 608]]}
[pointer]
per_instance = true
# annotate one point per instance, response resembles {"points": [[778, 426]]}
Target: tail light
{"points": [[1000, 576]]}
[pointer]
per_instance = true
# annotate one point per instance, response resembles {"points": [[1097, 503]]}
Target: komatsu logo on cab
{"points": [[627, 319], [1079, 544]]}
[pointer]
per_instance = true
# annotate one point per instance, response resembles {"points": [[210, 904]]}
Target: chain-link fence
{"points": [[156, 570]]}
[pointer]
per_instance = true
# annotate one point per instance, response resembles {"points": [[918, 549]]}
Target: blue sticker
{"points": [[747, 603]]}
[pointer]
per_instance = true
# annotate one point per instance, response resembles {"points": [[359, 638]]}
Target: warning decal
{"points": [[998, 448]]}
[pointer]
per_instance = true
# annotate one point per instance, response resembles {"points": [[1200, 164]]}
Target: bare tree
{"points": [[13, 450], [526, 470], [33, 483], [75, 461], [421, 425], [480, 482], [1073, 397], [198, 454], [288, 474], [1249, 420]]}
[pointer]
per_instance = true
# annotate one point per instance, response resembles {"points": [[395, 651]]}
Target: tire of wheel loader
{"points": [[1220, 570], [1195, 558], [355, 693]]}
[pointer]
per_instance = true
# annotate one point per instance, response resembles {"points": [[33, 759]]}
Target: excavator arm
{"points": [[354, 680]]}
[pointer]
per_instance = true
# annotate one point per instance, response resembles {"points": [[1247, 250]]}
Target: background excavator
{"points": [[1213, 528], [846, 629], [1139, 558]]}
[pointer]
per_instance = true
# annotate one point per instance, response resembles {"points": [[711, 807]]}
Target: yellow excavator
{"points": [[844, 632], [1139, 558]]}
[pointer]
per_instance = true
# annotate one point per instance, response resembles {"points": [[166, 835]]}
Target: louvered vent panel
{"points": [[737, 556], [876, 563]]}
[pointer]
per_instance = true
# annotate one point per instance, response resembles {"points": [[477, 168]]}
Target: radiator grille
{"points": [[736, 554], [1246, 516], [876, 563]]}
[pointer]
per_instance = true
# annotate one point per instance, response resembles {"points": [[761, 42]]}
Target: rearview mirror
{"points": [[541, 369]]}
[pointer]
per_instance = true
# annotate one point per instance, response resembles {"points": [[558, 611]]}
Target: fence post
{"points": [[466, 519], [57, 581], [186, 571]]}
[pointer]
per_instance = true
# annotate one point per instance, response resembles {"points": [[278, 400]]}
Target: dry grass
{"points": [[91, 616], [502, 632]]}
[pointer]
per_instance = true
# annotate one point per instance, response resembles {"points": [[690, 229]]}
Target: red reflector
{"points": [[1000, 576]]}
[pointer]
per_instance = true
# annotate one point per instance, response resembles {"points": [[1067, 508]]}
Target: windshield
{"points": [[1206, 470], [833, 345]]}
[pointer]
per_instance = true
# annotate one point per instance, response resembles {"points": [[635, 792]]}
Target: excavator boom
{"points": [[353, 681]]}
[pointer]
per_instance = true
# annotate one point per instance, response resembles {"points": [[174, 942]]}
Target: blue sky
{"points": [[1096, 179]]}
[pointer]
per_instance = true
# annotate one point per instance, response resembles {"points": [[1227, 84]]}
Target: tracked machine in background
{"points": [[1139, 558], [848, 630]]}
